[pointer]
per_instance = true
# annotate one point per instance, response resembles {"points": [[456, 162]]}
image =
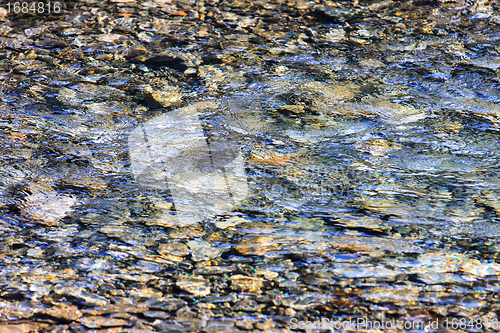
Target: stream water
{"points": [[228, 166]]}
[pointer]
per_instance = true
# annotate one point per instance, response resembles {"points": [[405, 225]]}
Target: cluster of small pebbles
{"points": [[370, 132]]}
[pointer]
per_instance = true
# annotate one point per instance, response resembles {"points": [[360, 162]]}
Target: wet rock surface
{"points": [[370, 134]]}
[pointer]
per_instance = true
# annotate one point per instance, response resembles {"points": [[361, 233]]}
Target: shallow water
{"points": [[150, 183]]}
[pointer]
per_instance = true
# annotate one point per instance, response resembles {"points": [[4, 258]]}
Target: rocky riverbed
{"points": [[369, 134]]}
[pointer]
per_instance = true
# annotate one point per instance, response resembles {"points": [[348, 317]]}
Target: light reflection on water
{"points": [[346, 172], [418, 169]]}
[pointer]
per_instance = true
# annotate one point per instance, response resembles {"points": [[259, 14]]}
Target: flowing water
{"points": [[151, 181]]}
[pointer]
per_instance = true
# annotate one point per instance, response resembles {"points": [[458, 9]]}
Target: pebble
{"points": [[245, 283], [167, 96], [248, 305], [244, 324], [82, 296], [259, 246], [196, 285], [22, 328], [202, 250], [264, 325], [175, 249], [63, 311], [166, 304], [146, 293], [98, 322], [156, 314], [267, 274]]}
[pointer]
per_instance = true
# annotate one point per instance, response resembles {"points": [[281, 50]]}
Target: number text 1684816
{"points": [[33, 7]]}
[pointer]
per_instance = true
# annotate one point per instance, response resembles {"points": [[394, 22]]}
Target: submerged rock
{"points": [[201, 250], [245, 283], [98, 322], [46, 206], [196, 285]]}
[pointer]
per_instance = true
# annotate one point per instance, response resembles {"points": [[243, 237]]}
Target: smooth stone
{"points": [[194, 285], [245, 283], [98, 321], [22, 328]]}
